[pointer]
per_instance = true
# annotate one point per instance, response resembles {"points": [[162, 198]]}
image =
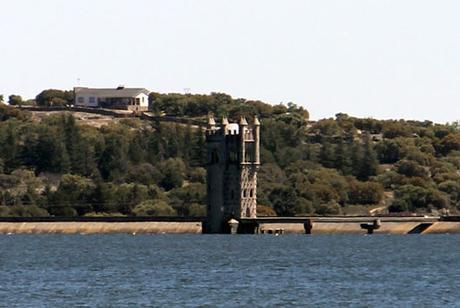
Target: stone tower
{"points": [[233, 160]]}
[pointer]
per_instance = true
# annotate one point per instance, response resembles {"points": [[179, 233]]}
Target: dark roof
{"points": [[106, 92]]}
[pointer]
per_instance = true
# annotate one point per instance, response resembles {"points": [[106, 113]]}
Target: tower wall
{"points": [[233, 160]]}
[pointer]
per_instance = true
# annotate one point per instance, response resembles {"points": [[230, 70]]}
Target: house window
{"points": [[143, 99], [92, 100], [81, 99], [138, 101]]}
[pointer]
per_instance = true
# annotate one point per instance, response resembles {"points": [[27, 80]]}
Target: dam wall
{"points": [[180, 225], [102, 225], [148, 227], [351, 225], [355, 228]]}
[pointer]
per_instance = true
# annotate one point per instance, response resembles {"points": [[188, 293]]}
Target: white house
{"points": [[119, 98]]}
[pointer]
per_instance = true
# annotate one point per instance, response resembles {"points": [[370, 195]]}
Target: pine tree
{"points": [[155, 148], [187, 144], [369, 163], [135, 151], [356, 158], [198, 148], [9, 148], [343, 160], [327, 155]]}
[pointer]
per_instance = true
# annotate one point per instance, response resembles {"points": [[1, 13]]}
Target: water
{"points": [[225, 270]]}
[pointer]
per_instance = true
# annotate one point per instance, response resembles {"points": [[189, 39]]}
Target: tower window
{"points": [[233, 157], [251, 193], [214, 157]]}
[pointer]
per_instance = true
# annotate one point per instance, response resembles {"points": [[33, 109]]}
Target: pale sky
{"points": [[380, 59]]}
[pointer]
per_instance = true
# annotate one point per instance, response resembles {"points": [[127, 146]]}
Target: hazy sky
{"points": [[381, 59]]}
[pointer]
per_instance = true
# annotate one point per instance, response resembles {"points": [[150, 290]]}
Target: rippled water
{"points": [[226, 270]]}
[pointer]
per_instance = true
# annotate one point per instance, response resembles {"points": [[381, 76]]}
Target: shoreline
{"points": [[187, 225]]}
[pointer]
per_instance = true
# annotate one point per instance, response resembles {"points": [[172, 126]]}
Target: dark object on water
{"points": [[308, 225], [370, 227]]}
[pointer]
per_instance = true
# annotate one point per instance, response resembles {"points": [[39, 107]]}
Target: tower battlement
{"points": [[232, 165]]}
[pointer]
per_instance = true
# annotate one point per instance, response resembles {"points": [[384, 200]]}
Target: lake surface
{"points": [[226, 270]]}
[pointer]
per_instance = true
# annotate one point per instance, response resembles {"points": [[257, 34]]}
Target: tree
{"points": [[198, 148], [153, 208], [420, 199], [368, 165], [135, 151], [342, 157], [182, 198], [304, 207], [284, 200], [24, 210], [327, 155], [327, 127], [8, 112], [74, 192], [113, 161], [14, 100], [330, 208], [143, 174], [197, 210], [9, 145], [388, 151], [398, 205], [104, 199], [396, 129], [411, 168], [263, 210], [173, 171], [357, 156], [365, 193], [453, 189], [449, 143], [53, 97], [127, 196]]}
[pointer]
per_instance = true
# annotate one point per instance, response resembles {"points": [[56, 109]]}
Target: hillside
{"points": [[68, 164]]}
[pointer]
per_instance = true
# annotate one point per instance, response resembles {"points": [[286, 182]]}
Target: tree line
{"points": [[343, 165]]}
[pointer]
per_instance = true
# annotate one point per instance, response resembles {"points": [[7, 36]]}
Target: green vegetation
{"points": [[56, 166]]}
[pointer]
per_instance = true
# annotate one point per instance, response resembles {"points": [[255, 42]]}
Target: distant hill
{"points": [[68, 164]]}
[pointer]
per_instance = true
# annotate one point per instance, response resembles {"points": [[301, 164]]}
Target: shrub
{"points": [[331, 208], [365, 192], [398, 206], [263, 210], [197, 210], [411, 168], [153, 208], [304, 207]]}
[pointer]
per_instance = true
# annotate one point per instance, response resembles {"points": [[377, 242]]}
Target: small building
{"points": [[136, 99]]}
